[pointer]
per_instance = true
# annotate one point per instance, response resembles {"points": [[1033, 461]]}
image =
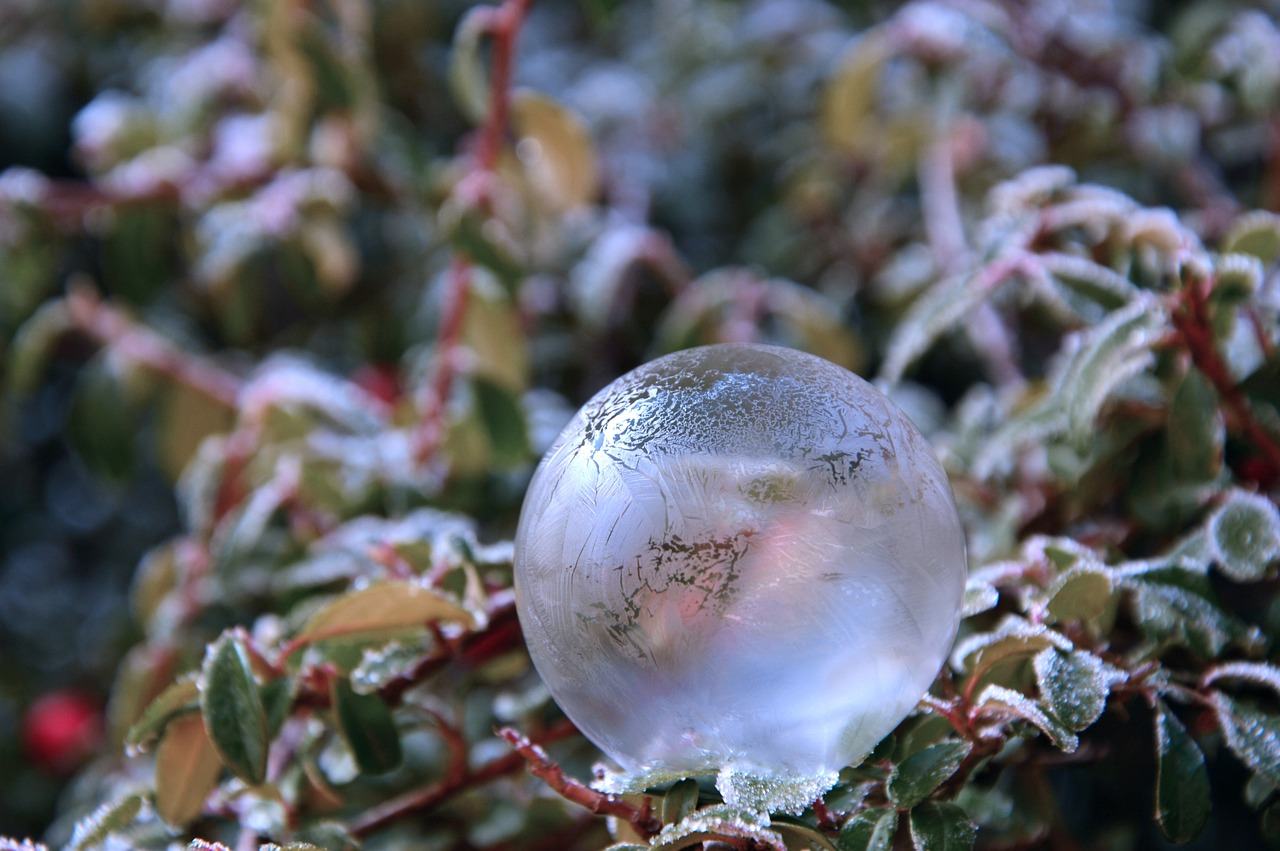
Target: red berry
{"points": [[61, 730]]}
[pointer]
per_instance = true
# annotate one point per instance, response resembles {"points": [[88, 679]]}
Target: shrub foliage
{"points": [[342, 269]]}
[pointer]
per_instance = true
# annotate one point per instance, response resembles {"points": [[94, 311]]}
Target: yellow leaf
{"points": [[384, 608], [187, 769], [491, 330], [556, 150], [849, 104], [187, 417]]}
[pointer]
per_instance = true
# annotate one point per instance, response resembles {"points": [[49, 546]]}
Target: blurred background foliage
{"points": [[269, 308]]}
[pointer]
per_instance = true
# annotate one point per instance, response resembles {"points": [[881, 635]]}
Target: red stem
{"points": [[449, 787], [111, 328], [504, 26], [1191, 319], [600, 803]]}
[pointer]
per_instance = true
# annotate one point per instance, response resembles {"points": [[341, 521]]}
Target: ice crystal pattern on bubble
{"points": [[739, 556]]}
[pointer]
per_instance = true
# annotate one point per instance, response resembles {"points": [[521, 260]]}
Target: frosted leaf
{"points": [[1252, 735], [766, 793], [739, 556], [1006, 701], [1015, 636], [1075, 685], [721, 820], [383, 664], [979, 596], [634, 782], [7, 844], [1033, 187], [1244, 536], [1252, 672]]}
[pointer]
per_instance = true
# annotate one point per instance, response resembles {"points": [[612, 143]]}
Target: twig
{"points": [[940, 203], [827, 820], [641, 818], [112, 329], [504, 26], [502, 633], [420, 800], [1190, 317]]}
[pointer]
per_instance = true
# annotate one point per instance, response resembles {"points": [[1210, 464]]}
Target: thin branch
{"points": [[421, 800], [940, 204], [112, 329], [435, 404], [502, 633], [641, 818], [1192, 321], [504, 27], [828, 822]]}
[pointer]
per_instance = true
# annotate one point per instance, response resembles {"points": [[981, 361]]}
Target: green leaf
{"points": [[919, 774], [186, 770], [182, 696], [1244, 534], [185, 418], [484, 245], [1080, 594], [770, 792], [1256, 233], [680, 800], [277, 699], [1174, 606], [1015, 704], [381, 664], [1084, 277], [113, 816], [1271, 825], [1014, 638], [467, 77], [717, 822], [1237, 279], [933, 315], [1197, 430], [382, 610], [1074, 686], [798, 835], [102, 422], [979, 596], [1257, 791], [1252, 735], [336, 88], [139, 251], [869, 830], [233, 710], [503, 419], [34, 343], [368, 727], [941, 827], [1252, 672], [1105, 357], [1182, 781]]}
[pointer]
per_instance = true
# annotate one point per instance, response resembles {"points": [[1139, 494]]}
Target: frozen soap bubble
{"points": [[741, 558]]}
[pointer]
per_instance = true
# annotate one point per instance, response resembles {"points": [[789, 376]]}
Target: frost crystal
{"points": [[739, 557]]}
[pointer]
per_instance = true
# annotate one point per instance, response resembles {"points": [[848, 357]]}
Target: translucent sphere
{"points": [[739, 557]]}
